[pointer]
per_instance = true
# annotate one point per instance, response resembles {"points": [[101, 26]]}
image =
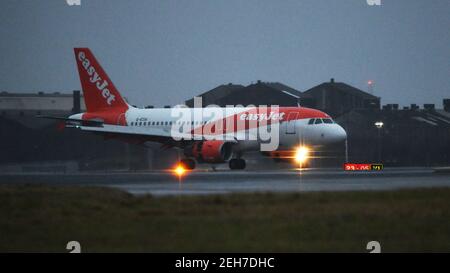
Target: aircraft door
{"points": [[291, 123]]}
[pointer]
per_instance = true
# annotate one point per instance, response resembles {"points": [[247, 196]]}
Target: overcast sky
{"points": [[163, 52]]}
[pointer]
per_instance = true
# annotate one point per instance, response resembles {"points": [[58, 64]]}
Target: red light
{"points": [[362, 167]]}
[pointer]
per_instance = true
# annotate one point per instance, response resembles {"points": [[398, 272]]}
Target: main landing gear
{"points": [[234, 164], [237, 164], [188, 163]]}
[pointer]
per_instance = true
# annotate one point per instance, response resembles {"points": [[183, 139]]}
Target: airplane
{"points": [[202, 139]]}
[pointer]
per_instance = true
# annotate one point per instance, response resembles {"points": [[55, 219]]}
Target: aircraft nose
{"points": [[336, 134], [340, 134], [332, 133]]}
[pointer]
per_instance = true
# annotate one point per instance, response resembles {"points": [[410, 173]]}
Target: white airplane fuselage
{"points": [[210, 134]]}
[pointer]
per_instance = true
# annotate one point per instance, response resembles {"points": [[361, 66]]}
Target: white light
{"points": [[301, 154], [379, 124]]}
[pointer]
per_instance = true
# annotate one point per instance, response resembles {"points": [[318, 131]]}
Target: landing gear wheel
{"points": [[188, 163], [237, 164]]}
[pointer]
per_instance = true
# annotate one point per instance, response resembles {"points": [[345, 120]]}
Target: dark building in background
{"points": [[447, 105], [260, 93], [76, 101], [37, 144], [337, 98], [23, 107], [213, 95], [334, 98], [410, 136]]}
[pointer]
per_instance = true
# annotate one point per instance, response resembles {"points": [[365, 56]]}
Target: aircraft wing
{"points": [[141, 134], [134, 134], [125, 130]]}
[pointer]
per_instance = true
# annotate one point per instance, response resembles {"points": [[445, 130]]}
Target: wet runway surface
{"points": [[218, 182]]}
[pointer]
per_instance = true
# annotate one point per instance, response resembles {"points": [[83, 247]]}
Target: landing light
{"points": [[301, 154], [179, 170]]}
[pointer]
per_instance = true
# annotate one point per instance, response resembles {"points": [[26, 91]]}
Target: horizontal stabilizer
{"points": [[89, 123]]}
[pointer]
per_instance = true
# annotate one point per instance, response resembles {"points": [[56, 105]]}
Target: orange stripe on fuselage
{"points": [[288, 113]]}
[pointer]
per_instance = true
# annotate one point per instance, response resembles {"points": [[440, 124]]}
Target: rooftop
{"points": [[38, 94], [340, 86]]}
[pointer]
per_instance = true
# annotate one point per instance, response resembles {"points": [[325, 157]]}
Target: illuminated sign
{"points": [[362, 167]]}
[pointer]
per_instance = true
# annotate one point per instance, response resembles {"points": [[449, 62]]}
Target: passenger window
{"points": [[318, 121], [132, 123], [311, 121]]}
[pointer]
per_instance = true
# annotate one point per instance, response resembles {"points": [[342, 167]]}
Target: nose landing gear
{"points": [[237, 164]]}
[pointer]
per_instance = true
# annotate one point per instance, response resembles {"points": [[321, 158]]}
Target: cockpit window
{"points": [[327, 120], [318, 121], [311, 121]]}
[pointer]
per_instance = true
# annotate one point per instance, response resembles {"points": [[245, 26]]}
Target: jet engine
{"points": [[210, 151]]}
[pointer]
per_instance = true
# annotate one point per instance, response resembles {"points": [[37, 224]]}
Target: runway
{"points": [[221, 182]]}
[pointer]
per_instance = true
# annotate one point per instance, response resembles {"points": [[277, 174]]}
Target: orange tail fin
{"points": [[98, 90]]}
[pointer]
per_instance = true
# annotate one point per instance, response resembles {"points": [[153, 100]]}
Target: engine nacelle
{"points": [[210, 151]]}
